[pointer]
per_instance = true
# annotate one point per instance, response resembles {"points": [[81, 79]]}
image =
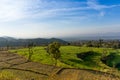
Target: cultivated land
{"points": [[69, 67]]}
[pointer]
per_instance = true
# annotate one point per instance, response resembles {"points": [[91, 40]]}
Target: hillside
{"points": [[97, 60], [16, 67], [10, 41]]}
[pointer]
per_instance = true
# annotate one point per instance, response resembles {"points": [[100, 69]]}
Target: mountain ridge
{"points": [[10, 41]]}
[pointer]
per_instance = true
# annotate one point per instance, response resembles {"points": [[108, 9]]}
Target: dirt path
{"points": [[36, 71]]}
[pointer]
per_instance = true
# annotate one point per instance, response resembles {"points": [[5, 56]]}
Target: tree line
{"points": [[97, 43]]}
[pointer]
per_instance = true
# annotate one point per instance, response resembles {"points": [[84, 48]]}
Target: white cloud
{"points": [[11, 10], [94, 4]]}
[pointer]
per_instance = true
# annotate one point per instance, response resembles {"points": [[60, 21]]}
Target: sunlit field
{"points": [[70, 59]]}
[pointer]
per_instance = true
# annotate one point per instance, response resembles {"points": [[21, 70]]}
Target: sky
{"points": [[59, 18]]}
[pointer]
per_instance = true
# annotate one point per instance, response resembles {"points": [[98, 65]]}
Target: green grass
{"points": [[7, 75], [69, 57]]}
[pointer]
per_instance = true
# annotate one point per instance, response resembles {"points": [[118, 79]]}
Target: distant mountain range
{"points": [[91, 38], [10, 41], [94, 36]]}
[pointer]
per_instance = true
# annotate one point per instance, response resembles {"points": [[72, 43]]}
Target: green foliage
{"points": [[30, 50], [53, 50], [69, 57], [112, 60]]}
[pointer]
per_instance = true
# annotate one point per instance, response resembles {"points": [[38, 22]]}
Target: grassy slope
{"points": [[69, 58]]}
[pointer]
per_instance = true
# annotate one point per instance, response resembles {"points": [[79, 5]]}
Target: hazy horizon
{"points": [[59, 18]]}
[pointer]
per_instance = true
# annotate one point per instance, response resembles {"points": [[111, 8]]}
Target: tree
{"points": [[100, 43], [53, 50], [89, 44], [30, 50], [119, 44]]}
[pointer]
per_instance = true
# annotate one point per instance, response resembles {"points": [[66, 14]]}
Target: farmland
{"points": [[70, 58]]}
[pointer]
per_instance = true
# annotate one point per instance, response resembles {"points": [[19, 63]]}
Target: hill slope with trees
{"points": [[12, 42]]}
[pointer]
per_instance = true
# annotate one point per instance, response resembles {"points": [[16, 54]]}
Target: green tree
{"points": [[100, 42], [53, 50], [89, 44], [30, 50]]}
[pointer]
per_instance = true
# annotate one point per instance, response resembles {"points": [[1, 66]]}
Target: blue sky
{"points": [[58, 18]]}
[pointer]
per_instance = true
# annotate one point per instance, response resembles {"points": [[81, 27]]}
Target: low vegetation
{"points": [[75, 57], [7, 75]]}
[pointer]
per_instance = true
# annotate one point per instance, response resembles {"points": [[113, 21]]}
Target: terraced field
{"points": [[16, 67], [23, 69]]}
